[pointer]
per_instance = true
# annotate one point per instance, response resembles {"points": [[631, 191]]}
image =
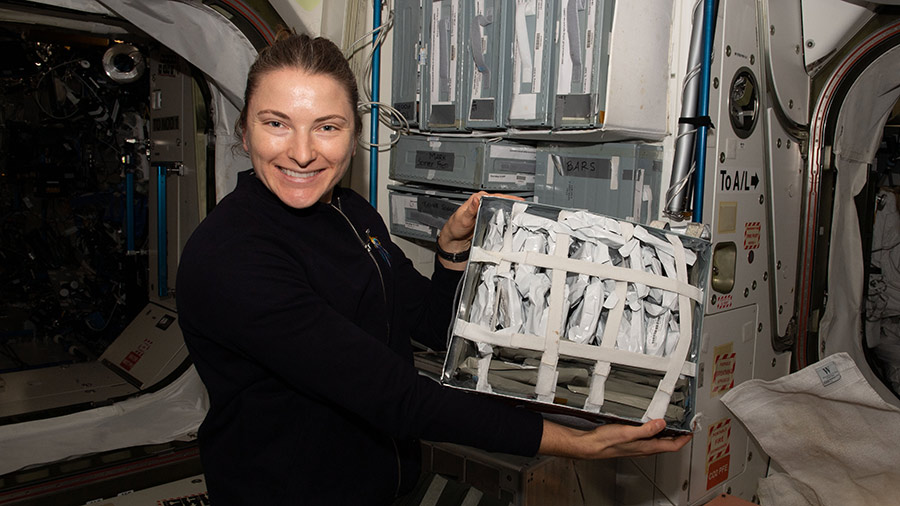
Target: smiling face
{"points": [[300, 135]]}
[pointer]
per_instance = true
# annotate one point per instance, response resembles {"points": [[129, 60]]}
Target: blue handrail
{"points": [[376, 71], [162, 266]]}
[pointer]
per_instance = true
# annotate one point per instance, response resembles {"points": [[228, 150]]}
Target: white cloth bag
{"points": [[838, 441]]}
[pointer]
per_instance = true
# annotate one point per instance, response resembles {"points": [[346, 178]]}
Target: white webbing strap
{"points": [[597, 394], [484, 369], [478, 334], [621, 357], [608, 342], [545, 388], [660, 401], [604, 271]]}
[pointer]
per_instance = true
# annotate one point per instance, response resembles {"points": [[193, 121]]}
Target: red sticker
{"points": [[133, 357], [751, 234], [723, 371], [718, 472], [718, 453], [129, 361], [723, 302]]}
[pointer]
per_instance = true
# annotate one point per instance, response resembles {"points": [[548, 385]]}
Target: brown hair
{"points": [[312, 55]]}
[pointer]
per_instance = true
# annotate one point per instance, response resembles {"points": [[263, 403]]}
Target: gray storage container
{"points": [[486, 63], [581, 62], [406, 79], [464, 162], [530, 45], [617, 179], [419, 212], [443, 31]]}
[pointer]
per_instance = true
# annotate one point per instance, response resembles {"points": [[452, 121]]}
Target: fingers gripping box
{"points": [[579, 314]]}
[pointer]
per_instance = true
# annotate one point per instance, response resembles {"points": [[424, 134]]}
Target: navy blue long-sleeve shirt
{"points": [[299, 324]]}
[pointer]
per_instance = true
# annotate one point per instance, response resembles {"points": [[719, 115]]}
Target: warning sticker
{"points": [[718, 452], [723, 302], [133, 357], [751, 234], [723, 370]]}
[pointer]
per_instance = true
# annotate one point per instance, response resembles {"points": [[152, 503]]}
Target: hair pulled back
{"points": [[312, 55]]}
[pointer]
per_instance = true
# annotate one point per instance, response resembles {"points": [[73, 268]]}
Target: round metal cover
{"points": [[743, 102], [123, 63]]}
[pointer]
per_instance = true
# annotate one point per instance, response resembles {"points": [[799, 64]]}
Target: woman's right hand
{"points": [[608, 441], [456, 235]]}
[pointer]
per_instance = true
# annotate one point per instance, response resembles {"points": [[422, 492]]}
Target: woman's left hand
{"points": [[608, 441], [456, 236]]}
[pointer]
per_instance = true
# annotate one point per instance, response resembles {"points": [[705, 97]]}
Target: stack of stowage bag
{"points": [[580, 311]]}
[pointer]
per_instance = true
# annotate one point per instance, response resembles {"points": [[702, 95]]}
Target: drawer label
{"points": [[596, 168], [437, 207], [434, 160]]}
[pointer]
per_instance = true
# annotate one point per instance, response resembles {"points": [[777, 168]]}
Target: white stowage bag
{"points": [[585, 294], [482, 311], [525, 240], [657, 329], [536, 287], [584, 320], [493, 239], [510, 309], [531, 234], [586, 226], [483, 308], [652, 264]]}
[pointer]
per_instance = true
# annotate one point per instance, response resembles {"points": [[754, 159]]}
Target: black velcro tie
{"points": [[700, 121]]}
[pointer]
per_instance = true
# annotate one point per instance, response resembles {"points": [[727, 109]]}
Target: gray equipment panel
{"points": [[55, 388], [149, 349], [530, 84], [464, 162], [468, 476], [621, 180], [443, 29], [486, 63], [173, 147], [581, 62], [406, 80], [171, 129], [419, 212]]}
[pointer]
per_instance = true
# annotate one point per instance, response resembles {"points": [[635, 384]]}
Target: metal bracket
{"points": [[177, 168]]}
